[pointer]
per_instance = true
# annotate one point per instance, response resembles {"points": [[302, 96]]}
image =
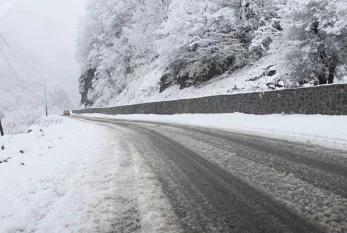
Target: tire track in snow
{"points": [[315, 202], [155, 212], [332, 179], [208, 199], [321, 206]]}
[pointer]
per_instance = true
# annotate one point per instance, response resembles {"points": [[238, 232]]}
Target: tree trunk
{"points": [[1, 129], [331, 74], [322, 79]]}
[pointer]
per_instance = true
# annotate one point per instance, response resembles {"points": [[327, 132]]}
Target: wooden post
{"points": [[1, 129], [46, 106]]}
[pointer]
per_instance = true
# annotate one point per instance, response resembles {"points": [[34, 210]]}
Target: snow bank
{"points": [[328, 131], [17, 122], [41, 177], [70, 176]]}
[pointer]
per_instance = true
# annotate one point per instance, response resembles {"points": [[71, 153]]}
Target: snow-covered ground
{"points": [[70, 176], [326, 131], [66, 175]]}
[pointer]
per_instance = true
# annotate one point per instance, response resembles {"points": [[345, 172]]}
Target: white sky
{"points": [[43, 34], [64, 12]]}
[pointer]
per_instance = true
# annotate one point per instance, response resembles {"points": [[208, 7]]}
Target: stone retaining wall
{"points": [[325, 100]]}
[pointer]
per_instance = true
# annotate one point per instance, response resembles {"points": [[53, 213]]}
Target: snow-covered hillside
{"points": [[133, 52]]}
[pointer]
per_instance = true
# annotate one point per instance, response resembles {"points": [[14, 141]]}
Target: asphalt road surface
{"points": [[220, 181]]}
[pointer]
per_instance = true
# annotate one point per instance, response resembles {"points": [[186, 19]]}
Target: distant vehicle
{"points": [[66, 113]]}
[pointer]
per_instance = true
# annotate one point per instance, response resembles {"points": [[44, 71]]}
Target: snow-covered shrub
{"points": [[19, 121], [263, 37]]}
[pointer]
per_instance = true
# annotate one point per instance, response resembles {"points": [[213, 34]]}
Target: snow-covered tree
{"points": [[185, 42], [319, 36], [103, 50], [198, 41], [141, 33], [260, 23]]}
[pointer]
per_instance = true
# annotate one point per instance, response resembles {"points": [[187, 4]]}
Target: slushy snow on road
{"points": [[326, 131]]}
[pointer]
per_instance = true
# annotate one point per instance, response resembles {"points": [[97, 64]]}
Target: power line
{"points": [[14, 54], [19, 61], [9, 47], [26, 82], [14, 72], [26, 70]]}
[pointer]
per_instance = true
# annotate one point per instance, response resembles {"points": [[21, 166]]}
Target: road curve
{"points": [[219, 181]]}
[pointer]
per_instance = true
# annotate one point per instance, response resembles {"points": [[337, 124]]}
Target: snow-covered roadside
{"points": [[71, 176], [326, 131]]}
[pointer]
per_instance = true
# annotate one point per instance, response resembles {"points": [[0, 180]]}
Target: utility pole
{"points": [[46, 106]]}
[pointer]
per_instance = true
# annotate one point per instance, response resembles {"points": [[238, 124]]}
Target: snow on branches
{"points": [[186, 43], [319, 34]]}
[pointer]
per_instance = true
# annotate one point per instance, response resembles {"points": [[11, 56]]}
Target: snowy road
{"points": [[224, 182]]}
